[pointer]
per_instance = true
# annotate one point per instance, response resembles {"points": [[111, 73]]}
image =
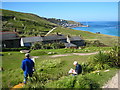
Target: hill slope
{"points": [[106, 39], [32, 25], [25, 23]]}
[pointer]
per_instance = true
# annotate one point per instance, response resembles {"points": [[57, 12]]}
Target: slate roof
{"points": [[9, 35], [54, 37], [32, 39], [75, 38], [70, 45]]}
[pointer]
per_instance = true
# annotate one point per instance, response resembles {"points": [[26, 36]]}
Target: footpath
{"points": [[80, 54], [114, 83]]}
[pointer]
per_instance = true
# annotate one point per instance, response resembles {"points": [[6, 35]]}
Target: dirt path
{"points": [[113, 83], [51, 31], [81, 54]]}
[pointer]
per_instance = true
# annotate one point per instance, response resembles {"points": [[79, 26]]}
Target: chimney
{"points": [[68, 38], [15, 30], [79, 35], [57, 33]]}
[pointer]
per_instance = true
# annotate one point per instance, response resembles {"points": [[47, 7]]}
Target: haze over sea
{"points": [[104, 27]]}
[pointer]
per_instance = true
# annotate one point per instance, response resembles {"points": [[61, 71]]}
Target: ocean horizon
{"points": [[104, 27]]}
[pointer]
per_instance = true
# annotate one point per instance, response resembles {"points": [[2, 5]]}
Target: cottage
{"points": [[29, 41], [69, 42], [76, 40], [70, 45], [10, 40], [54, 38]]}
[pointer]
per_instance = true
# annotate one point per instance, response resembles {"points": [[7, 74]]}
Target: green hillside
{"points": [[106, 39], [25, 23]]}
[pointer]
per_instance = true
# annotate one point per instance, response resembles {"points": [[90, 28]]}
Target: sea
{"points": [[104, 27]]}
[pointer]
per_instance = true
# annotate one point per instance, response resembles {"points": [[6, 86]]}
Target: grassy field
{"points": [[106, 39], [49, 71], [63, 51]]}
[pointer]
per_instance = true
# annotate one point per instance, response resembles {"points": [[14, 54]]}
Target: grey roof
{"points": [[70, 45], [75, 38], [54, 37], [9, 35], [32, 39]]}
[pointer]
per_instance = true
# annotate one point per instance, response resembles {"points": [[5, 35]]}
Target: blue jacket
{"points": [[78, 69], [27, 66]]}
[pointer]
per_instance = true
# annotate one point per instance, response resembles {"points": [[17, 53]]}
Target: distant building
{"points": [[76, 40], [70, 45], [54, 38], [29, 41], [69, 42], [10, 40]]}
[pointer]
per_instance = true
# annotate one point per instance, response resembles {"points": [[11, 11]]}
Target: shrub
{"points": [[47, 65], [101, 58], [96, 43], [73, 82], [53, 45], [86, 83], [87, 67], [115, 56], [37, 45], [64, 82], [15, 49]]}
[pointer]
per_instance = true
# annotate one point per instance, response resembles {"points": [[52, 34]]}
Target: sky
{"points": [[77, 11]]}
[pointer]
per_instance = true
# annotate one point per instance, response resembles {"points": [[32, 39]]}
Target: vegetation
{"points": [[95, 43], [14, 49], [53, 72], [105, 39], [24, 23], [40, 45]]}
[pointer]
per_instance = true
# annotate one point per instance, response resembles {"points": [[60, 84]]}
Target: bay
{"points": [[104, 27]]}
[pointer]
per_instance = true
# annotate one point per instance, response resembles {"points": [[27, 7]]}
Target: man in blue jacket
{"points": [[27, 67]]}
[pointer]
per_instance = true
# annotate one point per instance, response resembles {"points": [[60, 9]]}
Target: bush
{"points": [[95, 43], [87, 67], [46, 65], [64, 82], [15, 49], [37, 45], [115, 56], [86, 83], [73, 82], [53, 45]]}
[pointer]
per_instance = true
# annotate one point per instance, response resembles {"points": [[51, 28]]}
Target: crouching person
{"points": [[78, 69], [27, 67]]}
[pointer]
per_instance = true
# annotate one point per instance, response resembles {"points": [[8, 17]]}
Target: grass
{"points": [[97, 80], [25, 23], [106, 39], [98, 77], [48, 69], [13, 74], [31, 25], [63, 51]]}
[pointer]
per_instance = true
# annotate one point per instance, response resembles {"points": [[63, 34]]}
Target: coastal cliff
{"points": [[66, 23]]}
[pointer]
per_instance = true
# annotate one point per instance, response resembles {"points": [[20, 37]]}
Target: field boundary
{"points": [[80, 54]]}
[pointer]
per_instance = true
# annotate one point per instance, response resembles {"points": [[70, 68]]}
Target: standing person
{"points": [[27, 67]]}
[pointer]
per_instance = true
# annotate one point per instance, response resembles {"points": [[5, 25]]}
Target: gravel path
{"points": [[113, 83], [81, 54]]}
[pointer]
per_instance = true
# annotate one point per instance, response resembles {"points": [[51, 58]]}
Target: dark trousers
{"points": [[26, 76]]}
